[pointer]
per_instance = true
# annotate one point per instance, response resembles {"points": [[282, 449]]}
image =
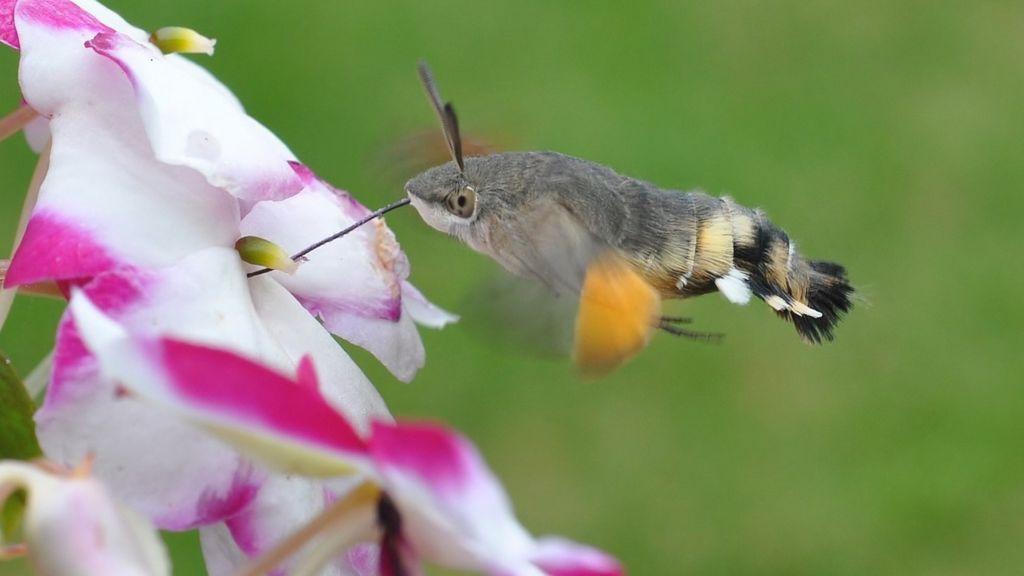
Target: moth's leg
{"points": [[677, 331], [676, 320]]}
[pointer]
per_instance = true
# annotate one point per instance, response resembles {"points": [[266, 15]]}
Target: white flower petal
{"points": [[424, 312], [193, 120], [342, 383], [454, 510], [396, 344], [356, 273], [354, 284]]}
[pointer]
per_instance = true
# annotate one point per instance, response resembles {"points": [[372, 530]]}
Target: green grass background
{"points": [[885, 135]]}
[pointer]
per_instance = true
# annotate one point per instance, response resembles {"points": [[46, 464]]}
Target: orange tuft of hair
{"points": [[617, 315]]}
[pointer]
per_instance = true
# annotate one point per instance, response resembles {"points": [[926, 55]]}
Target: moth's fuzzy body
{"points": [[545, 214]]}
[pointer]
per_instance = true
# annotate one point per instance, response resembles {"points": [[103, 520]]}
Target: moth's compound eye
{"points": [[462, 203]]}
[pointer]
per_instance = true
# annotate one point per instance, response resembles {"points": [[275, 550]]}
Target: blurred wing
{"points": [[510, 312], [403, 157], [617, 310]]}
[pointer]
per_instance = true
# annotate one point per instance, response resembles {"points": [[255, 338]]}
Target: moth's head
{"points": [[445, 199]]}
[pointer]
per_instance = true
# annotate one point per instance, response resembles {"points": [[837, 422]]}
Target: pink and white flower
{"points": [[153, 171], [438, 500], [73, 527], [152, 159]]}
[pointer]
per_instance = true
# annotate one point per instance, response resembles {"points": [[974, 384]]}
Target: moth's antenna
{"points": [[446, 112]]}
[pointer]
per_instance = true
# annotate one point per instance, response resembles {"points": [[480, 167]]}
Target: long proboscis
{"points": [[445, 112], [369, 217]]}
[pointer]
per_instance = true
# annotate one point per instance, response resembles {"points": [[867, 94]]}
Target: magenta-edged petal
{"points": [[260, 411], [104, 184], [356, 274], [456, 514], [53, 243], [237, 391], [364, 560], [85, 15], [57, 15], [284, 505], [454, 511], [561, 557], [193, 120], [206, 368], [203, 298], [355, 284], [341, 382]]}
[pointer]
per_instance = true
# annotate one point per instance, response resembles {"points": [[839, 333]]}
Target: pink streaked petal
{"points": [[364, 559], [352, 207], [87, 16], [342, 383], [103, 177], [442, 460], [177, 489], [8, 33], [454, 510], [284, 505], [193, 120], [55, 248], [239, 390], [561, 557], [257, 410], [396, 344], [203, 298], [58, 15], [354, 274]]}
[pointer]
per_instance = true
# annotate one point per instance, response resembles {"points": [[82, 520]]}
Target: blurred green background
{"points": [[884, 135]]}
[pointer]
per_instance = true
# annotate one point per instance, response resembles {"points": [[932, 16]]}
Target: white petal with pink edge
{"points": [[204, 299], [284, 505], [456, 514], [193, 120], [105, 196], [355, 284], [74, 528], [264, 413], [358, 273], [341, 382]]}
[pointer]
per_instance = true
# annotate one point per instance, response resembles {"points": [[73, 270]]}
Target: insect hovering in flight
{"points": [[619, 244]]}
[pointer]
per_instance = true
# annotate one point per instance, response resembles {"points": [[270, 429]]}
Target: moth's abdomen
{"points": [[810, 294], [714, 244]]}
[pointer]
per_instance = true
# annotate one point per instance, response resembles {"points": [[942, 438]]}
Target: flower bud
{"points": [[178, 40], [263, 252]]}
